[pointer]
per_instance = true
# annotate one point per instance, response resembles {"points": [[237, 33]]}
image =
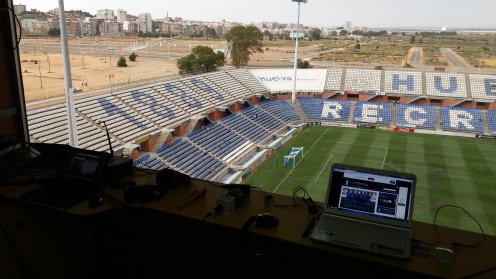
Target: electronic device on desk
{"points": [[49, 155], [77, 178], [368, 209], [117, 167]]}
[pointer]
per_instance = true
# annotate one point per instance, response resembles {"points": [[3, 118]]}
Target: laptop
{"points": [[77, 178], [368, 209]]}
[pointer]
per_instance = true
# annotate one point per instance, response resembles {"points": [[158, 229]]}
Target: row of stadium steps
{"points": [[485, 122], [161, 140], [352, 111], [298, 110], [438, 118], [393, 115]]}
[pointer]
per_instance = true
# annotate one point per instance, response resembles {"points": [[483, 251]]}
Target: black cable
{"points": [[457, 243]]}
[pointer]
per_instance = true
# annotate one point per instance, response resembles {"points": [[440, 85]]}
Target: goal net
{"points": [[293, 157]]}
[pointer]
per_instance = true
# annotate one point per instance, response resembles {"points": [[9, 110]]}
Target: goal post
{"points": [[291, 159]]}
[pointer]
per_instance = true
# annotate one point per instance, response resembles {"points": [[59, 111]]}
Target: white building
{"points": [[145, 22], [105, 14], [121, 15]]}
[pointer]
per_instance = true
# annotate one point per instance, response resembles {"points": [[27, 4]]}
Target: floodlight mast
{"points": [[293, 97]]}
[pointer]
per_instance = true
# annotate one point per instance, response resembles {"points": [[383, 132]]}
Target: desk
{"points": [[156, 240]]}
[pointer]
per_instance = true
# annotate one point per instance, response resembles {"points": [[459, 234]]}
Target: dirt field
{"points": [[94, 70]]}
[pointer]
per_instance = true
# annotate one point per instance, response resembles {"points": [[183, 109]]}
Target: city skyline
{"points": [[362, 13]]}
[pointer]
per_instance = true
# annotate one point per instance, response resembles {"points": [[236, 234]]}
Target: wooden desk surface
{"points": [[292, 221]]}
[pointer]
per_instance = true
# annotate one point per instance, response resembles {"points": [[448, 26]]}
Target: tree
{"points": [[300, 64], [245, 41], [412, 39], [54, 32], [202, 59], [314, 34], [357, 46], [343, 32], [210, 33], [132, 56], [122, 62]]}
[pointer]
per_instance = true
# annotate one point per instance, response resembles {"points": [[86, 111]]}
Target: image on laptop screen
{"points": [[83, 165], [371, 193]]}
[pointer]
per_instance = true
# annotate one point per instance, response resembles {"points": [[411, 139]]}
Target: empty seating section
{"points": [[248, 80], [280, 109], [360, 80], [262, 118], [217, 139], [206, 90], [491, 121], [49, 124], [446, 85], [182, 96], [94, 138], [121, 121], [244, 126], [326, 109], [403, 82], [153, 106], [483, 87], [133, 116], [232, 88], [149, 162], [413, 115], [333, 79], [188, 158], [373, 112], [463, 119]]}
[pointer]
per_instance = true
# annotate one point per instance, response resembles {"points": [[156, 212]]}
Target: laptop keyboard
{"points": [[340, 227]]}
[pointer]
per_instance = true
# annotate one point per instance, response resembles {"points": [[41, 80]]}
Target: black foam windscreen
{"points": [[171, 179]]}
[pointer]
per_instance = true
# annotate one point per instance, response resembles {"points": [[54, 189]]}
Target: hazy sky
{"points": [[318, 13]]}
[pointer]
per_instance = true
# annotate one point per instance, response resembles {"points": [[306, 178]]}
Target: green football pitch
{"points": [[450, 170]]}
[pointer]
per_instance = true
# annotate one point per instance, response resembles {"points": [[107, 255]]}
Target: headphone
{"points": [[171, 179], [144, 194], [165, 178], [264, 221]]}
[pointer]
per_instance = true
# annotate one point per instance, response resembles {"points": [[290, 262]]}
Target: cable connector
{"points": [[218, 209]]}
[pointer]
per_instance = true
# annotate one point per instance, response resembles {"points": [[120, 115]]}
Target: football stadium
{"points": [[243, 126]]}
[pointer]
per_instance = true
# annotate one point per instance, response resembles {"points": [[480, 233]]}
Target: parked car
{"points": [[77, 89]]}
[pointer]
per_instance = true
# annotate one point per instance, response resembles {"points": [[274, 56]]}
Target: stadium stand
{"points": [[491, 121], [246, 127], [403, 82], [248, 80], [122, 122], [326, 109], [358, 79], [446, 85], [149, 162], [413, 115], [483, 87], [234, 89], [462, 119], [333, 79], [373, 112], [280, 109], [154, 107], [139, 113]]}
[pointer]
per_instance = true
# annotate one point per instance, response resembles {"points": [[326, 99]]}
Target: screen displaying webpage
{"points": [[382, 196]]}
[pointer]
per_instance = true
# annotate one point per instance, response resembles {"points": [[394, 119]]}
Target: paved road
{"points": [[456, 63], [415, 59]]}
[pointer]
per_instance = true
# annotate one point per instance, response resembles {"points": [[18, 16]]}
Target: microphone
{"points": [[108, 138], [117, 167]]}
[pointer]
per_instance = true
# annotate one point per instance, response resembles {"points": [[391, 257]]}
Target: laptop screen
{"points": [[372, 194], [83, 165]]}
